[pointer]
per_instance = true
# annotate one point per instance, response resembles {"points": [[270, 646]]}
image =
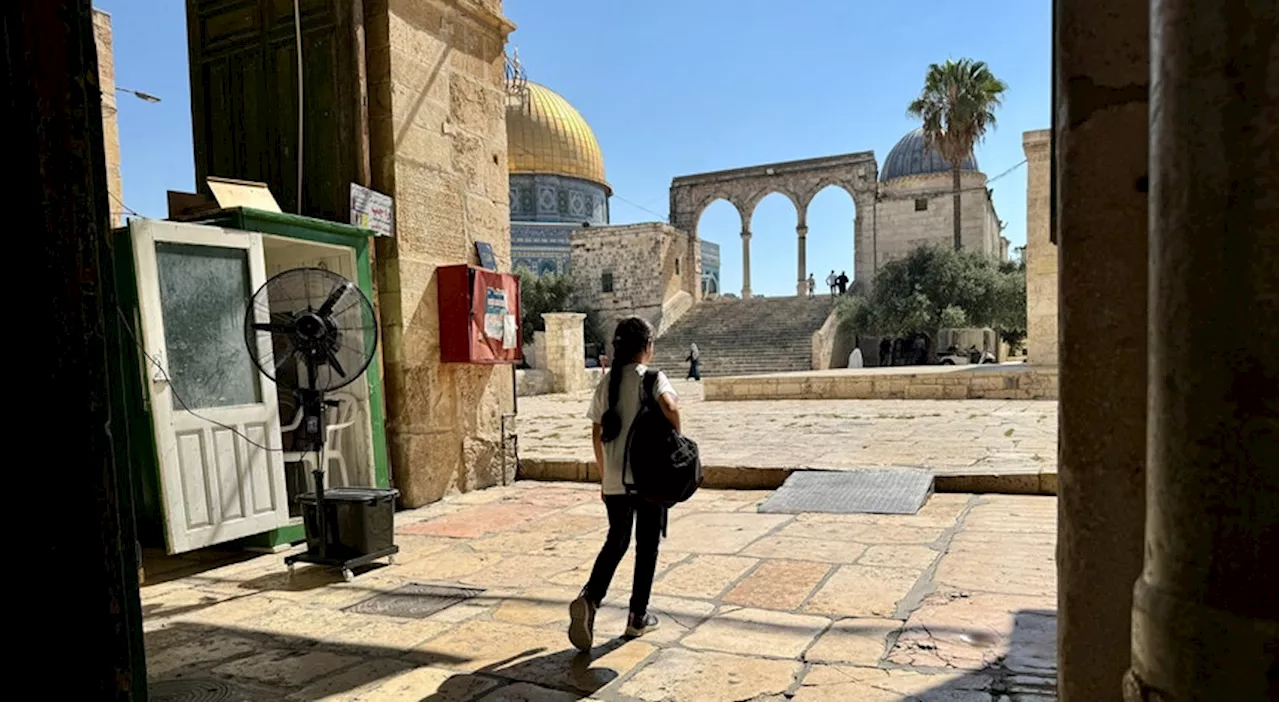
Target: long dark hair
{"points": [[630, 339]]}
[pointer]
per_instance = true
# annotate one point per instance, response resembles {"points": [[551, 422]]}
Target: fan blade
{"points": [[273, 327], [334, 296], [333, 362]]}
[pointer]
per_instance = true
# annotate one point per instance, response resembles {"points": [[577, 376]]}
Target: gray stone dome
{"points": [[909, 157]]}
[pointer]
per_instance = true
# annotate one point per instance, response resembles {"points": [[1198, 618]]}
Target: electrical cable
{"points": [[174, 389]]}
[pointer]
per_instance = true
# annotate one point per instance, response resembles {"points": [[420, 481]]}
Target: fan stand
{"points": [[313, 428]]}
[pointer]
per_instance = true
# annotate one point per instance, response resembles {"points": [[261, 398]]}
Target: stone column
{"points": [[1041, 254], [564, 351], [802, 276], [1204, 611], [746, 263], [1100, 104]]}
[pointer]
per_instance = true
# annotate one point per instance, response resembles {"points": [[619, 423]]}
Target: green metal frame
{"points": [[146, 468]]}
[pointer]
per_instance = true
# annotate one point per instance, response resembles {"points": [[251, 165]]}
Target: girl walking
{"points": [[695, 364], [614, 407]]}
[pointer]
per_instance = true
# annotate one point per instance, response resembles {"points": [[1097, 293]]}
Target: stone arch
{"points": [[799, 181]]}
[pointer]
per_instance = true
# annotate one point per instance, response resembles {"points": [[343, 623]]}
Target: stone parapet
{"points": [[1006, 382]]}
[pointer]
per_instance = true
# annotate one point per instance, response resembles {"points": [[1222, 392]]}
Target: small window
{"points": [[606, 282], [677, 265], [922, 204]]}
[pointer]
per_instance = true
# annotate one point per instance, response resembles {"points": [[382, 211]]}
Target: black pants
{"points": [[623, 510], [695, 371]]}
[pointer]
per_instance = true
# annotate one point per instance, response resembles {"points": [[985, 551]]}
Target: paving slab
{"points": [[983, 441], [753, 606]]}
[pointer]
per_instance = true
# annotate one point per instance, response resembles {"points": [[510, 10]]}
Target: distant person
{"points": [[831, 282], [842, 283], [855, 358], [886, 352], [812, 284], [695, 363], [615, 405]]}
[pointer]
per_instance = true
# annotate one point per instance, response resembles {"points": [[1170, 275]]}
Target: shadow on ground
{"points": [[249, 666]]}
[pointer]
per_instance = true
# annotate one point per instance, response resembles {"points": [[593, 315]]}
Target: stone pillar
{"points": [[802, 275], [1041, 255], [1204, 611], [60, 177], [564, 351], [746, 263], [433, 156], [1100, 106]]}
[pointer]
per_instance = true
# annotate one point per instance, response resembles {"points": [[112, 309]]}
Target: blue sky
{"points": [[672, 88]]}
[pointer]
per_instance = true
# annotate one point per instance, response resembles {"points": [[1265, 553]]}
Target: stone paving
{"points": [[953, 604], [952, 437]]}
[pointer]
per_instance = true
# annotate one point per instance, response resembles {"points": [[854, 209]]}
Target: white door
{"points": [[217, 425]]}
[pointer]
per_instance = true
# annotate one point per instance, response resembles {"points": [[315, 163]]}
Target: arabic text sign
{"points": [[372, 210]]}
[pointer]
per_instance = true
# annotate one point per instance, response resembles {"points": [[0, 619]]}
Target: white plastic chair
{"points": [[337, 421]]}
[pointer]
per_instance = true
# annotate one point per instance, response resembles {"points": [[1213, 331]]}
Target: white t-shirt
{"points": [[628, 408]]}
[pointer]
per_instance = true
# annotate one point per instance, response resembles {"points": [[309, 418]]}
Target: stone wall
{"points": [[647, 265], [110, 126], [438, 145], [1002, 382], [900, 227], [1041, 255]]}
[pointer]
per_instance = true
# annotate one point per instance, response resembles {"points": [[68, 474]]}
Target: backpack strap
{"points": [[650, 386]]}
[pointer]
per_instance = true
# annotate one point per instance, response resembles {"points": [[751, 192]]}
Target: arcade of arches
{"points": [[903, 206]]}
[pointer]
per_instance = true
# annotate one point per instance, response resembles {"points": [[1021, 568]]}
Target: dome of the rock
{"points": [[547, 136]]}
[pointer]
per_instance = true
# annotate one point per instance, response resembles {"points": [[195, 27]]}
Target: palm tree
{"points": [[957, 105]]}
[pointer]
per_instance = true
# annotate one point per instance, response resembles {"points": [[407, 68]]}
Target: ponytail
{"points": [[630, 339]]}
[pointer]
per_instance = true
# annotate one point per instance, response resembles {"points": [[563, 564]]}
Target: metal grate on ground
{"points": [[414, 600], [199, 690], [901, 491]]}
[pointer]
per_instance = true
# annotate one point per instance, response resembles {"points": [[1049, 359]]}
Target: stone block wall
{"points": [[900, 228], [648, 264], [438, 145], [1041, 255], [110, 125]]}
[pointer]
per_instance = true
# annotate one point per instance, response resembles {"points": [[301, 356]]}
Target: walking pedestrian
{"points": [[812, 284], [831, 282], [615, 405], [695, 363], [842, 283]]}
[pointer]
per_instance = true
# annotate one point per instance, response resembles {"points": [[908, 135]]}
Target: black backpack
{"points": [[662, 463]]}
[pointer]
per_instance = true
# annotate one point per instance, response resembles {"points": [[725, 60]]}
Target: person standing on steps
{"points": [[831, 282], [842, 283], [812, 284], [615, 405], [695, 364]]}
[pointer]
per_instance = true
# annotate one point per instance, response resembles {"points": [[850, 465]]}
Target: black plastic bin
{"points": [[360, 521]]}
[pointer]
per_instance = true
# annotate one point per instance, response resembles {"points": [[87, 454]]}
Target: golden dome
{"points": [[546, 134]]}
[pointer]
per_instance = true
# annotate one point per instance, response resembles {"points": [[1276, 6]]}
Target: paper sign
{"points": [[372, 210], [509, 332], [495, 313]]}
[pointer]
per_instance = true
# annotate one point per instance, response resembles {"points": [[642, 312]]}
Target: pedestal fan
{"points": [[313, 331]]}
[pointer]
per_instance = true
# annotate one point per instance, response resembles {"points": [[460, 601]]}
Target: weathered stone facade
{"points": [[438, 146], [916, 211], [644, 269], [110, 126], [1041, 255]]}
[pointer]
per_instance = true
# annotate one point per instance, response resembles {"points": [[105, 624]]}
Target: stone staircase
{"points": [[745, 337]]}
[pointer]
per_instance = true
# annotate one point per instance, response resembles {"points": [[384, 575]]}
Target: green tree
{"points": [[957, 106], [553, 292], [934, 288]]}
